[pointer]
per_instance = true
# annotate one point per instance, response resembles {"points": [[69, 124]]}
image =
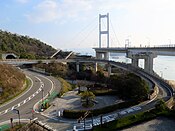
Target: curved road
{"points": [[25, 102]]}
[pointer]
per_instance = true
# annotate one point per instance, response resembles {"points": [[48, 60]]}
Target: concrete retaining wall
{"points": [[170, 103], [155, 92]]}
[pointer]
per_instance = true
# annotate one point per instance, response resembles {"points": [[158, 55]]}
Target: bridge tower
{"points": [[101, 32]]}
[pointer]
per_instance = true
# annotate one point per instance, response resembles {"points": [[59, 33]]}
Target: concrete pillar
{"points": [[149, 64], [109, 69], [106, 55], [135, 62], [78, 66], [98, 55], [96, 67]]}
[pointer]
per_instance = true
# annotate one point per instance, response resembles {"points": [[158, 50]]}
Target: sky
{"points": [[69, 24]]}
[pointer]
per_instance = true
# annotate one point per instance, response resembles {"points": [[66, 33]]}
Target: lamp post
{"points": [[11, 121], [42, 91], [42, 94]]}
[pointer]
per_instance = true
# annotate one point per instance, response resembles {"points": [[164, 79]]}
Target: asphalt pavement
{"points": [[25, 102]]}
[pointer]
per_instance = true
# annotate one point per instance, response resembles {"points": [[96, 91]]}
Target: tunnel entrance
{"points": [[10, 57]]}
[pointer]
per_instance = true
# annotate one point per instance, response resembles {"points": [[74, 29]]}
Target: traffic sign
{"points": [[15, 111]]}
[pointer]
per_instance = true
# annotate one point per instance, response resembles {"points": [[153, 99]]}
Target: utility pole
{"points": [[11, 120], [42, 106]]}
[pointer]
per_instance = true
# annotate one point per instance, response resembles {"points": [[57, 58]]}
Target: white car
{"points": [[136, 108], [122, 112], [130, 110]]}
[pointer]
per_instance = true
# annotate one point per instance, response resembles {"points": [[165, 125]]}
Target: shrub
{"points": [[78, 113], [65, 86]]}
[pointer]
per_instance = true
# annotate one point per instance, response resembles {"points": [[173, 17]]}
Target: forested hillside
{"points": [[24, 46], [11, 81]]}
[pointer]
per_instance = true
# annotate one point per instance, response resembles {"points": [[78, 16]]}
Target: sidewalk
{"points": [[71, 100]]}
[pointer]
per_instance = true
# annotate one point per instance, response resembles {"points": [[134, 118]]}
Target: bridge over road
{"points": [[136, 53]]}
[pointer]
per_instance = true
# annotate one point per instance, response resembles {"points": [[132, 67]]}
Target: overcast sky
{"points": [[74, 23]]}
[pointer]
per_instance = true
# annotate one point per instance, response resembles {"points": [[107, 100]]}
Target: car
{"points": [[136, 108], [122, 112], [129, 110]]}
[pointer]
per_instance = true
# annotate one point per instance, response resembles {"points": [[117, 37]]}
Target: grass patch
{"points": [[65, 86], [27, 85]]}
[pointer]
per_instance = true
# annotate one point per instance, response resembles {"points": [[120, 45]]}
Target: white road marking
{"points": [[6, 111], [38, 78], [12, 108], [52, 87], [26, 100], [20, 95], [29, 98]]}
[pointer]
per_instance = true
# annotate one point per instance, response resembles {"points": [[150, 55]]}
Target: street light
{"points": [[42, 106]]}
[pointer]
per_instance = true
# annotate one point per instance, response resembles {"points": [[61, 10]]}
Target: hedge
{"points": [[78, 113]]}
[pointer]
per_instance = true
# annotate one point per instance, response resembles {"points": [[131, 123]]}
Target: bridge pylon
{"points": [[103, 32]]}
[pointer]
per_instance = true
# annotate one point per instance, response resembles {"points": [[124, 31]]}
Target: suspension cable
{"points": [[115, 33]]}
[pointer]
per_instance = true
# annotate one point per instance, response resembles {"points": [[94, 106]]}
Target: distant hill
{"points": [[24, 46]]}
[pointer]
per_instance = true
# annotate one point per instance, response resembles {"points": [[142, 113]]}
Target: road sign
{"points": [[15, 111]]}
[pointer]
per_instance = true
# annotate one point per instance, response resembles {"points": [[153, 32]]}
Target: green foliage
{"points": [[56, 69], [65, 86], [129, 86], [24, 46], [96, 112], [27, 56], [73, 113], [88, 96], [161, 106], [103, 92]]}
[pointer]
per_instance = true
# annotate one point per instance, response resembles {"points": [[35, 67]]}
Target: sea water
{"points": [[164, 66]]}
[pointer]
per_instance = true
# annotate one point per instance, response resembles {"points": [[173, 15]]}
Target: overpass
{"points": [[136, 53], [20, 62]]}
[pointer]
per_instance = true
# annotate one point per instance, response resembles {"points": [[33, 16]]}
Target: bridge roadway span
{"points": [[26, 107], [25, 61], [136, 53], [168, 51]]}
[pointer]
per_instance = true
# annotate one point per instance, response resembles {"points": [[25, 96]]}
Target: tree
{"points": [[161, 105], [129, 86], [88, 96]]}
